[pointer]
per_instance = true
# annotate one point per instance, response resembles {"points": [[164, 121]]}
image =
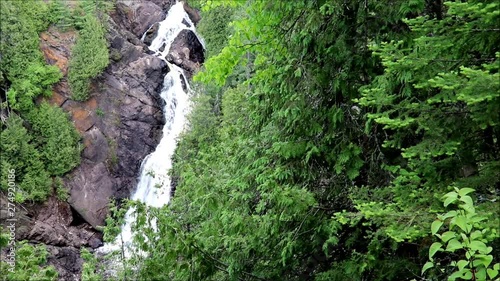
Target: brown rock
{"points": [[56, 47], [57, 99]]}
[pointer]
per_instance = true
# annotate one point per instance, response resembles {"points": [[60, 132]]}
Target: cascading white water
{"points": [[153, 188]]}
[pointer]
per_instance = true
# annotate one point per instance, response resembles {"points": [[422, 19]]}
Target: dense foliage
{"points": [[38, 142], [22, 61], [31, 263], [324, 138], [90, 54]]}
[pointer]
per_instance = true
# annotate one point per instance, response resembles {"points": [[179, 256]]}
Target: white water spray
{"points": [[153, 188]]}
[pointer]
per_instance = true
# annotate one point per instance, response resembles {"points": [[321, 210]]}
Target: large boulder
{"points": [[137, 15], [186, 51], [53, 222]]}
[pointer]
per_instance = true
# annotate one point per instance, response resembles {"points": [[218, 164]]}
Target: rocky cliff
{"points": [[120, 124]]}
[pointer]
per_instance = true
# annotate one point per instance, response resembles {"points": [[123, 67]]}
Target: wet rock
{"points": [[164, 4], [186, 51], [193, 14], [137, 16], [162, 48], [151, 34]]}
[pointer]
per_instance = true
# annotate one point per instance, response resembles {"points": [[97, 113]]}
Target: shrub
{"points": [[89, 57]]}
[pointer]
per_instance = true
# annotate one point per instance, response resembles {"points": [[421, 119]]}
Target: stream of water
{"points": [[154, 187]]}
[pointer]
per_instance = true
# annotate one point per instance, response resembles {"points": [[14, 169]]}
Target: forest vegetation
{"points": [[336, 140], [37, 140], [328, 140]]}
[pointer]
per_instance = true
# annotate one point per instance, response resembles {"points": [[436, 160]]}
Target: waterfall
{"points": [[153, 187]]}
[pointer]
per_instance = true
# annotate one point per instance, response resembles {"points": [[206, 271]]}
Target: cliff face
{"points": [[120, 124]]}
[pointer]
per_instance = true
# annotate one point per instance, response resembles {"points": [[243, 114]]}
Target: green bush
{"points": [[214, 28], [89, 57], [51, 148], [22, 61], [89, 266], [465, 238], [31, 264], [58, 139], [20, 153], [38, 142]]}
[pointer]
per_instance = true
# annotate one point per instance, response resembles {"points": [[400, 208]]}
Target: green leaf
{"points": [[478, 246], [461, 222], [464, 191], [298, 72], [436, 246], [453, 245], [492, 273], [461, 264], [426, 266], [450, 214], [480, 273], [467, 275], [448, 235], [450, 198], [468, 201], [486, 260], [455, 275], [435, 226]]}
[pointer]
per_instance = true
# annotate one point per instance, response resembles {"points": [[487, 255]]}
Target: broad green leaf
{"points": [[478, 246], [461, 264], [450, 214], [492, 273], [436, 246], [475, 235], [449, 200], [448, 235], [435, 226], [426, 266], [461, 222], [453, 245], [450, 197], [486, 260], [468, 202], [455, 275], [467, 275], [465, 191]]}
